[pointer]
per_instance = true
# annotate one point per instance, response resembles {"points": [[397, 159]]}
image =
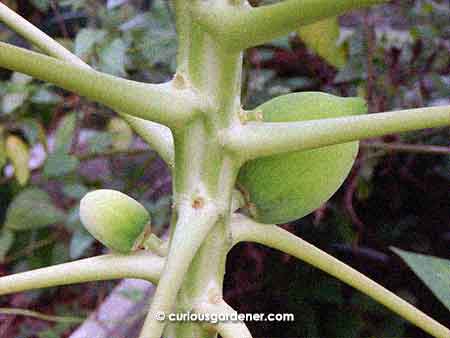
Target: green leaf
{"points": [[31, 209], [65, 133], [433, 271], [42, 5], [6, 241], [20, 78], [73, 222], [60, 253], [86, 40], [122, 135], [17, 151], [34, 131], [80, 242], [100, 142], [81, 239], [113, 57], [45, 97], [2, 149], [59, 164], [17, 94], [159, 46], [322, 37], [75, 190], [12, 101], [110, 4]]}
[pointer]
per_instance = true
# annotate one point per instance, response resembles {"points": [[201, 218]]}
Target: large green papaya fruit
{"points": [[115, 219], [285, 187]]}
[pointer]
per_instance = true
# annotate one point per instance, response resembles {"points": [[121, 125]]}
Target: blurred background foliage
{"points": [[56, 146]]}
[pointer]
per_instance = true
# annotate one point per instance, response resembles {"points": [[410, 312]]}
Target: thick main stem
{"points": [[204, 176]]}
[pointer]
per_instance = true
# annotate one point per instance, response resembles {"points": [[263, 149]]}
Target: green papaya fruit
{"points": [[115, 219], [285, 187]]}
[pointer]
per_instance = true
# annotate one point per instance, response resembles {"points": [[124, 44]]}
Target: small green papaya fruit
{"points": [[115, 219], [285, 187]]}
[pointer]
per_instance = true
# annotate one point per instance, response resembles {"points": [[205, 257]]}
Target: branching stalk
{"points": [[256, 139], [227, 329], [41, 316], [245, 229], [161, 103], [158, 136], [38, 38], [190, 231], [241, 29], [138, 265]]}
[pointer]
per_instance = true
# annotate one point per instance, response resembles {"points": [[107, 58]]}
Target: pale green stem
{"points": [[256, 139], [157, 245], [183, 25], [162, 103], [138, 265], [245, 229], [190, 231], [240, 29], [41, 316], [237, 200], [228, 329], [158, 136], [38, 38]]}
